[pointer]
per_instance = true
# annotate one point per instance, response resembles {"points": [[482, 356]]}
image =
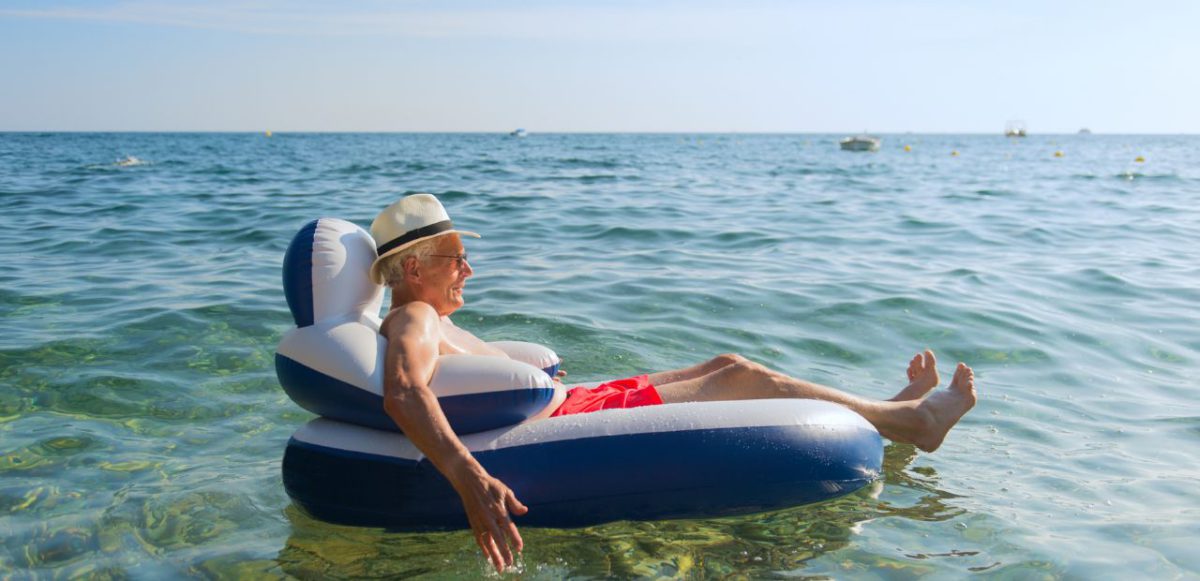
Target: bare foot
{"points": [[922, 377], [943, 409]]}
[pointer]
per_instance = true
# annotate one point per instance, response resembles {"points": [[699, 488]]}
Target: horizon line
{"points": [[571, 132]]}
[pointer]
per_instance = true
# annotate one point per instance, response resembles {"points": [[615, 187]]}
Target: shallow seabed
{"points": [[141, 426]]}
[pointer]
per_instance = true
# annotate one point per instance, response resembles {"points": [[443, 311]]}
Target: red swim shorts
{"points": [[619, 394]]}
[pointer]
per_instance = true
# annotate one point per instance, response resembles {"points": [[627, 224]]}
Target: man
{"points": [[423, 261]]}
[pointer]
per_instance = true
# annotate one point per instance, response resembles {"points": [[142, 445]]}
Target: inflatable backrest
{"points": [[332, 363], [325, 273]]}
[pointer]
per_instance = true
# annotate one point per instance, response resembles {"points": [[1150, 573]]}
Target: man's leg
{"points": [[699, 370], [923, 421]]}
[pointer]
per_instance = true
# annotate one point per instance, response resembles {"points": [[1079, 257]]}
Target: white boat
{"points": [[862, 142], [1014, 128], [518, 132]]}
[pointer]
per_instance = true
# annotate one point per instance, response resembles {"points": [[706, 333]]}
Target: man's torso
{"points": [[453, 340]]}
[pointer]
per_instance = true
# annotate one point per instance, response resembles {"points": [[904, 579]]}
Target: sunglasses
{"points": [[460, 260]]}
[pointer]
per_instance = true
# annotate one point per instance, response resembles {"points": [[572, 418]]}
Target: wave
{"points": [[357, 168], [580, 162], [1134, 175]]}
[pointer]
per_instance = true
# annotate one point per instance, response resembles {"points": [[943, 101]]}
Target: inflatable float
{"points": [[352, 466]]}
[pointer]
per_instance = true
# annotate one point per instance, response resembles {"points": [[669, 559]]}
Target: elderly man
{"points": [[423, 261]]}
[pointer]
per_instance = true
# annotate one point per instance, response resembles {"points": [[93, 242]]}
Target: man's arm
{"points": [[412, 353]]}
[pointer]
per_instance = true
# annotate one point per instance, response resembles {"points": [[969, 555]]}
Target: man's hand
{"points": [[488, 503]]}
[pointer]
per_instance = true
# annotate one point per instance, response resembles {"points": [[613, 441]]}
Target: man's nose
{"points": [[466, 269]]}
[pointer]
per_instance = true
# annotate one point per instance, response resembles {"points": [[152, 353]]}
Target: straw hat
{"points": [[407, 221]]}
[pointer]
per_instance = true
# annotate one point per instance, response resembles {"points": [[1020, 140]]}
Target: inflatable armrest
{"points": [[534, 354]]}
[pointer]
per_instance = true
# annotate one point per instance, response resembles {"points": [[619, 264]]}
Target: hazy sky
{"points": [[688, 66]]}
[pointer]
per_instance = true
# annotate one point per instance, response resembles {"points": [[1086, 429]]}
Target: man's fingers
{"points": [[487, 542], [499, 544], [485, 536], [499, 554], [514, 506], [486, 547], [494, 531], [515, 535]]}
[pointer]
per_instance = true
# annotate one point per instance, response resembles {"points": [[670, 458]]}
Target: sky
{"points": [[931, 66]]}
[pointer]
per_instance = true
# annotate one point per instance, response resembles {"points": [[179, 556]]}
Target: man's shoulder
{"points": [[408, 314]]}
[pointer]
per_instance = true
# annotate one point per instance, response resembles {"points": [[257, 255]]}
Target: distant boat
{"points": [[1014, 128], [1085, 131], [861, 142], [518, 132]]}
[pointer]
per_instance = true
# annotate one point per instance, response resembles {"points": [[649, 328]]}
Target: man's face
{"points": [[443, 276]]}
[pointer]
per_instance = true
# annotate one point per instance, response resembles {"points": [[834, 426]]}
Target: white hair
{"points": [[391, 269]]}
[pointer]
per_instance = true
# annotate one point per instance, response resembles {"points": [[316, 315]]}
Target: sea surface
{"points": [[142, 427]]}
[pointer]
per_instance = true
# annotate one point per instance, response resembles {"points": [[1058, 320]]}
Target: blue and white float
{"points": [[352, 466]]}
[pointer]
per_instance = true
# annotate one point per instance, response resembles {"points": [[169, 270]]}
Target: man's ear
{"points": [[412, 268]]}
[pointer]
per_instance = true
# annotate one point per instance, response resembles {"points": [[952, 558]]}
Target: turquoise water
{"points": [[141, 426]]}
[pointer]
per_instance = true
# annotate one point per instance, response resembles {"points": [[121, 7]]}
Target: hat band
{"points": [[419, 233]]}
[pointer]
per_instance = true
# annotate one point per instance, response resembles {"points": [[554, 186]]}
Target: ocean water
{"points": [[141, 425]]}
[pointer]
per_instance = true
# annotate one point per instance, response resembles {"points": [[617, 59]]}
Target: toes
{"points": [[914, 367], [920, 364], [963, 375]]}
